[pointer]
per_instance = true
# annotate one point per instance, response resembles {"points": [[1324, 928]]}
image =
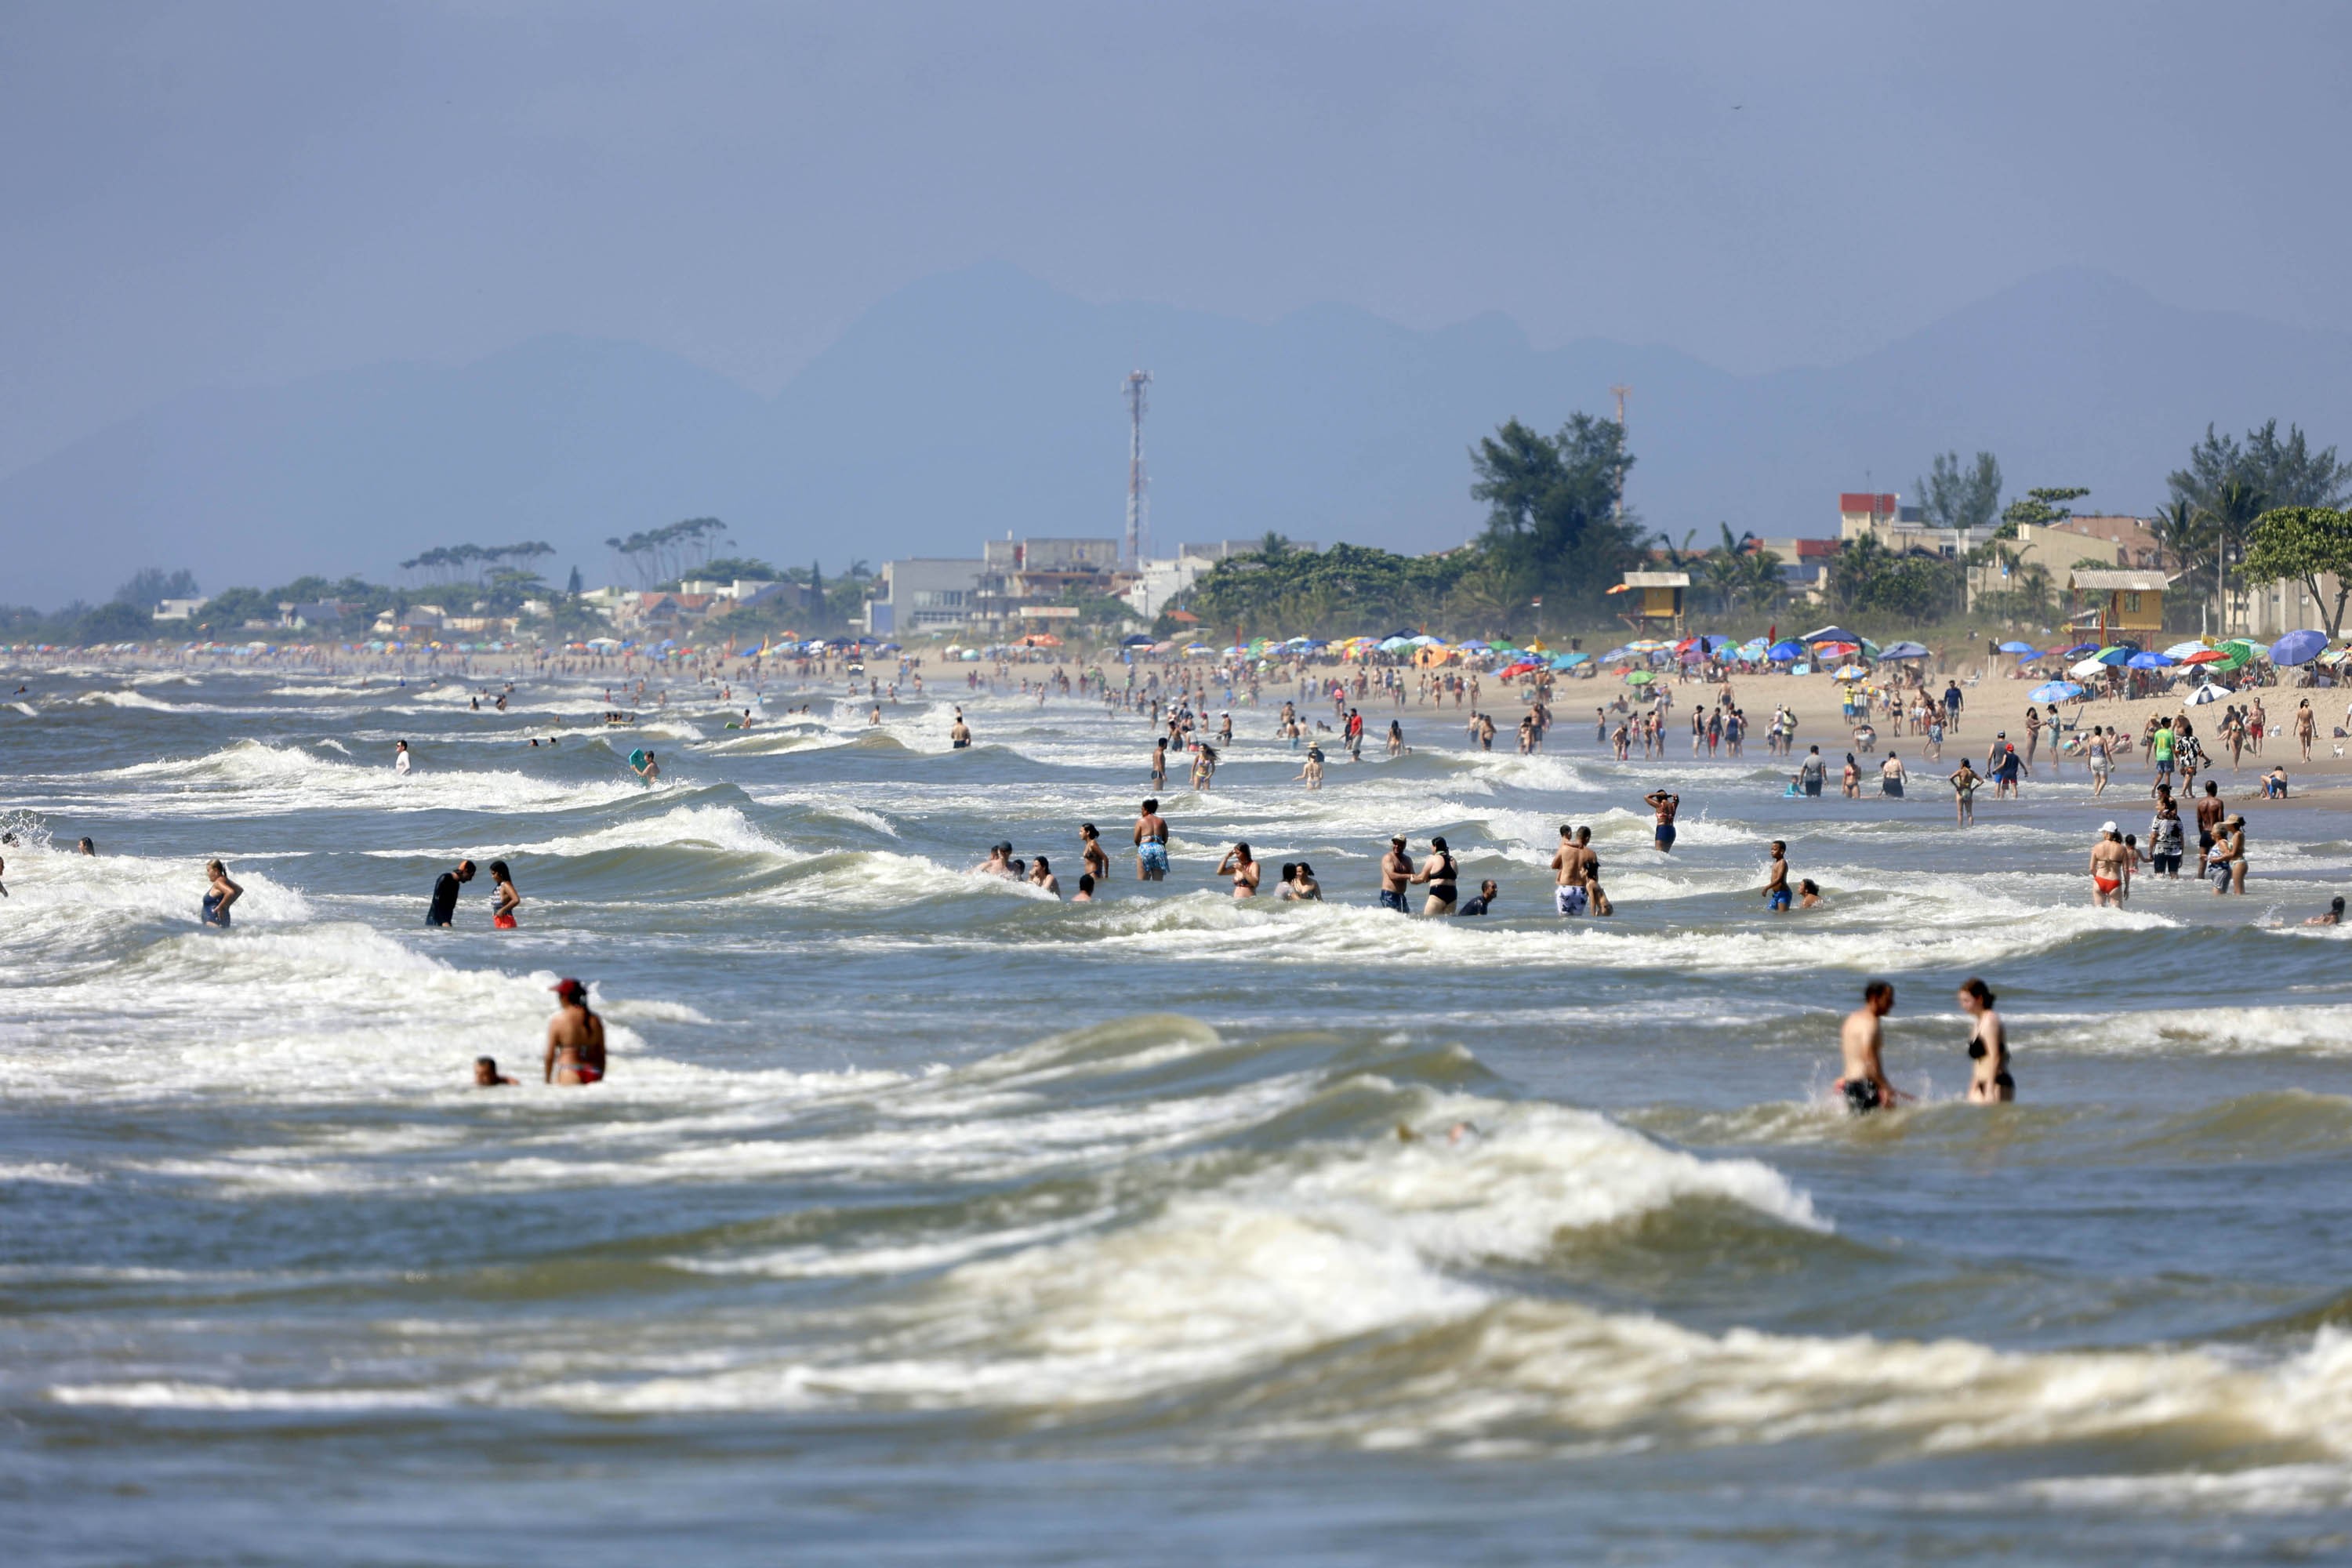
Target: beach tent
{"points": [[2297, 647], [2054, 691], [1914, 650], [1830, 634]]}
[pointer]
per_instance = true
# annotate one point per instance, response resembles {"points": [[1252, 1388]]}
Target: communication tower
{"points": [[1620, 389], [1138, 505]]}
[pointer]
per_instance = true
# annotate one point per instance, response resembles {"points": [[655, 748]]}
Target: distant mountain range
{"points": [[982, 402]]}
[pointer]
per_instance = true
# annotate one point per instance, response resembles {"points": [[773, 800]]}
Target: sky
{"points": [[230, 194]]}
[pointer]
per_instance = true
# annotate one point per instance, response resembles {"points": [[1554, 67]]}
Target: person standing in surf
{"points": [[643, 764], [443, 907], [1861, 1043], [1396, 875], [400, 758], [223, 893], [575, 1038], [1150, 844], [1666, 805], [1990, 1082], [504, 900]]}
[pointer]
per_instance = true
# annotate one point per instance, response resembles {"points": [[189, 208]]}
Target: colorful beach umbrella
{"points": [[2054, 691], [2182, 650], [1849, 672], [2297, 647]]}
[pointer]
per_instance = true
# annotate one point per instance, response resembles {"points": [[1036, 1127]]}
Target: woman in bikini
{"points": [[1988, 1080], [1242, 870], [504, 900], [1093, 862], [1440, 873]]}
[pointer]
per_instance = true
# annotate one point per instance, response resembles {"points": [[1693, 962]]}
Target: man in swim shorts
{"points": [[1777, 897], [1810, 772], [1567, 865], [1665, 805], [1396, 874], [2110, 868], [1860, 1042], [1150, 845], [575, 1038]]}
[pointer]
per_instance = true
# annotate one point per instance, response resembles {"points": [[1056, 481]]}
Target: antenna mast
{"points": [[1139, 506], [1620, 389]]}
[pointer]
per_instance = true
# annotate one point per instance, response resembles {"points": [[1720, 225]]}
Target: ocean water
{"points": [[923, 1217]]}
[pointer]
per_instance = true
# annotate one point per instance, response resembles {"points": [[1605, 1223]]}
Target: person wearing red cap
{"points": [[575, 1038]]}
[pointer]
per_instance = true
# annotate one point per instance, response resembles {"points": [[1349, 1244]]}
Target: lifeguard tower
{"points": [[1659, 607], [2121, 603]]}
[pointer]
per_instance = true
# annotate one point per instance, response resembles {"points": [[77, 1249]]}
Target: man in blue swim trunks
{"points": [[1665, 805], [1150, 845], [1396, 875]]}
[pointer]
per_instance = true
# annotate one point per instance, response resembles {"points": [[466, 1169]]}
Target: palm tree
{"points": [[2231, 511]]}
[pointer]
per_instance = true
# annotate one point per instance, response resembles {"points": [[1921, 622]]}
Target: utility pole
{"points": [[1139, 506], [1619, 390]]}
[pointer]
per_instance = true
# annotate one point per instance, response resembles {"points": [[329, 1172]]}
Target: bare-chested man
{"points": [[1860, 1042], [2111, 863], [1150, 845], [1777, 897], [1569, 895], [1396, 875], [575, 1038]]}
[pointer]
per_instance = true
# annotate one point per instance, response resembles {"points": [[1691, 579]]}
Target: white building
{"points": [[1157, 582], [924, 593], [178, 609]]}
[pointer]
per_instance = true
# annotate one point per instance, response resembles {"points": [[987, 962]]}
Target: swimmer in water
{"points": [[1041, 874], [443, 907], [487, 1073], [575, 1038], [1776, 879], [1808, 894], [651, 771], [504, 900], [1085, 893], [223, 893], [1439, 872], [400, 758], [2334, 917], [999, 862], [1245, 871], [1860, 1043], [1666, 805], [1150, 845], [1303, 886], [959, 732], [1484, 901], [2110, 868], [1990, 1082], [1092, 860], [87, 846]]}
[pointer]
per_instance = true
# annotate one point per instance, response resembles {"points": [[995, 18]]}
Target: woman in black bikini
{"points": [[1439, 873], [1988, 1080]]}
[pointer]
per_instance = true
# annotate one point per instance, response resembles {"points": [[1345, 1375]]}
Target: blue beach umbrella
{"points": [[2024, 647], [1786, 651], [2149, 661], [2297, 647], [1831, 633], [2078, 650], [2054, 691], [1902, 651]]}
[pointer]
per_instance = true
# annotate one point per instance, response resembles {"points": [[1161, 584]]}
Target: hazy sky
{"points": [[221, 193]]}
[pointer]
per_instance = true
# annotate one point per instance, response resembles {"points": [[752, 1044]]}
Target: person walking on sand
{"points": [[1990, 1082], [1861, 1049], [575, 1038]]}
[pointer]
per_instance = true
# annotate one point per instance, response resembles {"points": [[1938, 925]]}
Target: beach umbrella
{"points": [[2149, 661], [2114, 653], [1640, 678], [2204, 656], [2182, 650], [1849, 672], [1914, 650], [2054, 691], [1836, 649], [1782, 651], [2026, 648], [1831, 633], [2087, 667], [1646, 645], [1570, 660], [2297, 647], [2212, 692], [2078, 650]]}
